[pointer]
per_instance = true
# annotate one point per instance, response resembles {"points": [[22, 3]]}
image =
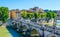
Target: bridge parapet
{"points": [[46, 28], [39, 28]]}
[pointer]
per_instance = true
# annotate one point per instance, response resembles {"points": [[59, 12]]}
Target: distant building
{"points": [[14, 14], [17, 13], [36, 9]]}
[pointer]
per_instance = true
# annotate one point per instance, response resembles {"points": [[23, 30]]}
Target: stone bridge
{"points": [[35, 29]]}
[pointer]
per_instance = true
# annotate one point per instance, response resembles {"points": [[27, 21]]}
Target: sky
{"points": [[26, 4]]}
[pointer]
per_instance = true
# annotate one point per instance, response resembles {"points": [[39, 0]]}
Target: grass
{"points": [[48, 24], [4, 32]]}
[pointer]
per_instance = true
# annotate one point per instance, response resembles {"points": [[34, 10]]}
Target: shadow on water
{"points": [[13, 32]]}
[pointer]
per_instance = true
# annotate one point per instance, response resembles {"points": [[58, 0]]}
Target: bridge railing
{"points": [[46, 28]]}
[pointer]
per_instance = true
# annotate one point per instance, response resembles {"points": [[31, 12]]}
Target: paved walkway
{"points": [[8, 32]]}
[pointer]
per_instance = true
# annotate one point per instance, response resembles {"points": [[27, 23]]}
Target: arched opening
{"points": [[14, 25], [52, 36], [24, 28], [34, 33]]}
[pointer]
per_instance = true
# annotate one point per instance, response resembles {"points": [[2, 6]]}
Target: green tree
{"points": [[37, 15], [54, 15], [30, 15], [43, 15], [51, 15], [24, 14], [4, 13]]}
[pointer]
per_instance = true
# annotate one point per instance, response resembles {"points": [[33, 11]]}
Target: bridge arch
{"points": [[24, 28], [34, 33], [52, 35]]}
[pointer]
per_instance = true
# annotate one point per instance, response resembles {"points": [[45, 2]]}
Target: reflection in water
{"points": [[13, 32]]}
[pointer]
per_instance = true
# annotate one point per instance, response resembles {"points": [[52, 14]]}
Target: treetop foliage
{"points": [[4, 12]]}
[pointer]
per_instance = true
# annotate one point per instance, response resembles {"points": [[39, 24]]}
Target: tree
{"points": [[37, 15], [24, 14], [54, 15], [30, 15], [4, 13], [43, 15], [49, 15]]}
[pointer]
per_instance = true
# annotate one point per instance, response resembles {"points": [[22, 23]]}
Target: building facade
{"points": [[14, 14]]}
